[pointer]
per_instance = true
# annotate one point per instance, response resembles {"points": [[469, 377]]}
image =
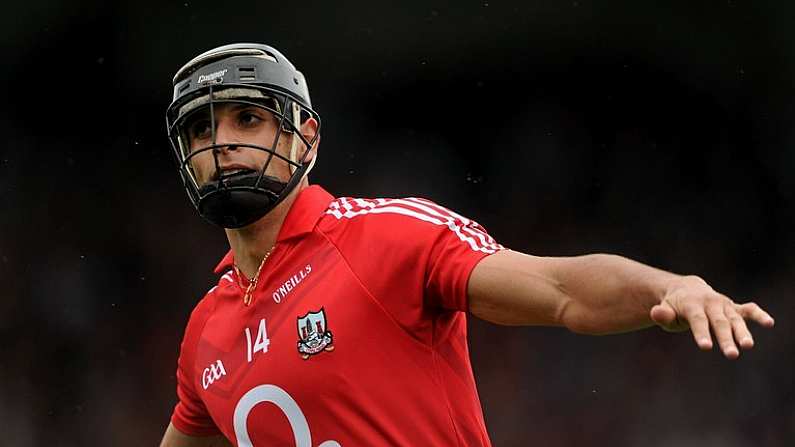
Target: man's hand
{"points": [[690, 302]]}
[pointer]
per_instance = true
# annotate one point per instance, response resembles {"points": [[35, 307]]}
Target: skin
{"points": [[238, 123], [593, 294]]}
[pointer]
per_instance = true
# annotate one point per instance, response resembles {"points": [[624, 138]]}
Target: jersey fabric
{"points": [[355, 335]]}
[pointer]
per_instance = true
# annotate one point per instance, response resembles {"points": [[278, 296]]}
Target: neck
{"points": [[252, 243]]}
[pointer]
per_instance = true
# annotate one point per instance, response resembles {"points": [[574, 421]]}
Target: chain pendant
{"points": [[249, 292], [252, 284]]}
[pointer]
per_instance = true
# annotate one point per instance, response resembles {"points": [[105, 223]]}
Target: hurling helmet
{"points": [[253, 75]]}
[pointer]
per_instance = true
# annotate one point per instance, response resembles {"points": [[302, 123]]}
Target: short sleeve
{"points": [[456, 248], [190, 416], [411, 253]]}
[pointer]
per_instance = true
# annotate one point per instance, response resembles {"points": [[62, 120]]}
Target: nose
{"points": [[225, 137]]}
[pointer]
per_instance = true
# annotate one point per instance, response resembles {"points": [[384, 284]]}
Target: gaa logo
{"points": [[212, 373]]}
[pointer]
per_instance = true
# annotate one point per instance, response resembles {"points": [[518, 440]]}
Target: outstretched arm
{"points": [[603, 294]]}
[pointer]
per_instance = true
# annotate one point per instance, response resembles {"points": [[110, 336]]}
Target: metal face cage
{"points": [[289, 114]]}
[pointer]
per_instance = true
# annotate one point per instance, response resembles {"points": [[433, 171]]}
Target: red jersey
{"points": [[355, 335]]}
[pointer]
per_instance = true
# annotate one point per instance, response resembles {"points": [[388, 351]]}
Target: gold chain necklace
{"points": [[252, 283]]}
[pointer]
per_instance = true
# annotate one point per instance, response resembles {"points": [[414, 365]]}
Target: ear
{"points": [[309, 130]]}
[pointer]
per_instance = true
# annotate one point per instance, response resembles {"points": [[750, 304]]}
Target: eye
{"points": [[249, 118], [200, 129]]}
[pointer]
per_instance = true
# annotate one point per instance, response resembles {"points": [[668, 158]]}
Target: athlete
{"points": [[342, 321]]}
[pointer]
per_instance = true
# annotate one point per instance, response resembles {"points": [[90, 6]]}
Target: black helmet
{"points": [[255, 75]]}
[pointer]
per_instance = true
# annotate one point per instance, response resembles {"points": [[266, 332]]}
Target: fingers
{"points": [[750, 311], [722, 328], [741, 333], [701, 308], [663, 314], [729, 326], [699, 326]]}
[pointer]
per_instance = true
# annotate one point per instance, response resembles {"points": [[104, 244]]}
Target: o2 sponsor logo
{"points": [[276, 396]]}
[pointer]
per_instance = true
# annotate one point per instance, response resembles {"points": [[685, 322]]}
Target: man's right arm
{"points": [[175, 438]]}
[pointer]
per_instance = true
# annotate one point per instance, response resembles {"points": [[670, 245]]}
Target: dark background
{"points": [[661, 131]]}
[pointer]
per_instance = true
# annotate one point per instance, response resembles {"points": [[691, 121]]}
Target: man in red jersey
{"points": [[342, 322]]}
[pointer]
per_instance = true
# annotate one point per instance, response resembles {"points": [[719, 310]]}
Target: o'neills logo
{"points": [[212, 76], [292, 283]]}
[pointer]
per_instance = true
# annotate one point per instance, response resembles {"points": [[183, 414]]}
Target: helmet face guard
{"points": [[249, 75]]}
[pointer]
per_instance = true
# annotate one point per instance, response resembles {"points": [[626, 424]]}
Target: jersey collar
{"points": [[301, 219]]}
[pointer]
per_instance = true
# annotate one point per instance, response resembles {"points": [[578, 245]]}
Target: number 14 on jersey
{"points": [[260, 343]]}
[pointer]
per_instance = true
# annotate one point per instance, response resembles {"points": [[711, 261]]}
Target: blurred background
{"points": [[661, 131]]}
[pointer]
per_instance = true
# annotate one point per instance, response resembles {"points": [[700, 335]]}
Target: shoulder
{"points": [[206, 306], [414, 207], [383, 219], [411, 211], [401, 218]]}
